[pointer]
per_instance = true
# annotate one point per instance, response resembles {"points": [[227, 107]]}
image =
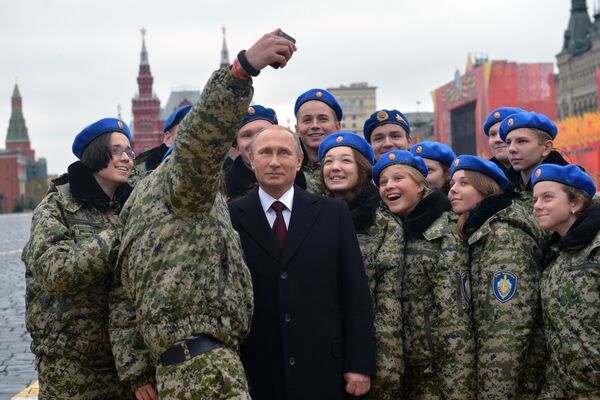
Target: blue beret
{"points": [[434, 151], [257, 112], [319, 95], [347, 139], [527, 119], [176, 117], [479, 164], [398, 157], [383, 117], [570, 175], [96, 129], [498, 115]]}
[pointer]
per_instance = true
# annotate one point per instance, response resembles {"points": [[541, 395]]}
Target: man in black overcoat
{"points": [[312, 334]]}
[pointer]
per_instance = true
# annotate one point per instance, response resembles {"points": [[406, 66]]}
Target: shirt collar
{"points": [[266, 200]]}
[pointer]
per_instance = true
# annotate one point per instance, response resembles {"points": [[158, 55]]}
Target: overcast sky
{"points": [[77, 60]]}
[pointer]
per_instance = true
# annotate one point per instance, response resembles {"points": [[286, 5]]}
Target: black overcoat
{"points": [[313, 314]]}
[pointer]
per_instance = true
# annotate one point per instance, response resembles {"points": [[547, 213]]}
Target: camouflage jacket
{"points": [[146, 163], [505, 256], [381, 241], [312, 174], [181, 269], [68, 264], [436, 311], [570, 290]]}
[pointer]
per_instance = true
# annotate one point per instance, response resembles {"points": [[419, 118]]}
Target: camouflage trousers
{"points": [[60, 378], [216, 374], [420, 382]]}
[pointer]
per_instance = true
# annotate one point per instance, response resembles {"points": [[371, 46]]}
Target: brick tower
{"points": [[147, 130]]}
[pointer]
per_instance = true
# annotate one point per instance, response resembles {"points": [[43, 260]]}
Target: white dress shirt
{"points": [[287, 199]]}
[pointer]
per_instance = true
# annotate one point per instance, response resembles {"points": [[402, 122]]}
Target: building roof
{"points": [[178, 98]]}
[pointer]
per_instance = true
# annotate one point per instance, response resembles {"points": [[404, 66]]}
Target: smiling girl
{"points": [[438, 341], [346, 165], [570, 284], [505, 261]]}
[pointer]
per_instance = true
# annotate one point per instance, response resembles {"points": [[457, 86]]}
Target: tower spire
{"points": [[224, 52], [576, 36], [144, 52], [17, 130]]}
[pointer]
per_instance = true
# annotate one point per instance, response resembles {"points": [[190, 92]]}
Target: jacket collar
{"points": [[584, 230], [363, 208], [425, 213], [155, 157], [485, 210], [85, 188]]}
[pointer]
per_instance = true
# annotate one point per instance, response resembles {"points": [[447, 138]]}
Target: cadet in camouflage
{"points": [[436, 314], [570, 284], [181, 269], [381, 240], [505, 258], [68, 264]]}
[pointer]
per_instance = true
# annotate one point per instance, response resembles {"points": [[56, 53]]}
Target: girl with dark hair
{"points": [[570, 284], [346, 164], [505, 262], [436, 314], [69, 260]]}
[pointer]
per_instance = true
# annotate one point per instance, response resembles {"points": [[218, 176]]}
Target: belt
{"points": [[197, 345]]}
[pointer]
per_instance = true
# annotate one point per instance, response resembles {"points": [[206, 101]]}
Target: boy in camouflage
{"points": [[183, 289]]}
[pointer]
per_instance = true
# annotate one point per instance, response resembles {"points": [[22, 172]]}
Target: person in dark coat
{"points": [[312, 333]]}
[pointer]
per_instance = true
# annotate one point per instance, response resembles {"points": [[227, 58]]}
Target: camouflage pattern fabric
{"points": [[67, 271], [217, 374], [181, 269], [436, 313], [312, 174], [570, 290], [61, 378], [382, 248], [505, 269]]}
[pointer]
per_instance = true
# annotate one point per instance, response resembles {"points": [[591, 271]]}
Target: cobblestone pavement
{"points": [[16, 361]]}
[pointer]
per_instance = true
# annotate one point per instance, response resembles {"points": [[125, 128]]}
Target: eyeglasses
{"points": [[117, 150]]}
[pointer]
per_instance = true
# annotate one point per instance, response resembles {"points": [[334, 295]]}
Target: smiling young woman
{"points": [[439, 346], [346, 166], [505, 263], [69, 259], [571, 281]]}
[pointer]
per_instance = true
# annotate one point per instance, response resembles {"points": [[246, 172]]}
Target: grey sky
{"points": [[76, 60]]}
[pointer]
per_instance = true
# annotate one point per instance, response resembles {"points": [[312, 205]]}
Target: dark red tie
{"points": [[279, 226]]}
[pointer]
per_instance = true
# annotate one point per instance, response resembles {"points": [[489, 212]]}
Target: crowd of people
{"points": [[242, 260]]}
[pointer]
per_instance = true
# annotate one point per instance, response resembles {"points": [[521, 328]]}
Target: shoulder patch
{"points": [[505, 285]]}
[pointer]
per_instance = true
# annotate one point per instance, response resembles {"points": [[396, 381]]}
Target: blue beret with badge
{"points": [[570, 175], [319, 95], [474, 163], [497, 116], [527, 119], [90, 132], [258, 112], [434, 151], [347, 139], [383, 117], [176, 117], [394, 157]]}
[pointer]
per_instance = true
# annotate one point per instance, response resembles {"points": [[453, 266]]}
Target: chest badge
{"points": [[505, 285]]}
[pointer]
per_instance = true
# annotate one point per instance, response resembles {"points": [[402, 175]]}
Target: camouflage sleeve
{"points": [[388, 314], [132, 358], [577, 320], [203, 140], [455, 355], [510, 289], [61, 263]]}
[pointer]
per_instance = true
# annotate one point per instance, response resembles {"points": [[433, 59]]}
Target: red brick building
{"points": [[13, 179], [462, 105]]}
